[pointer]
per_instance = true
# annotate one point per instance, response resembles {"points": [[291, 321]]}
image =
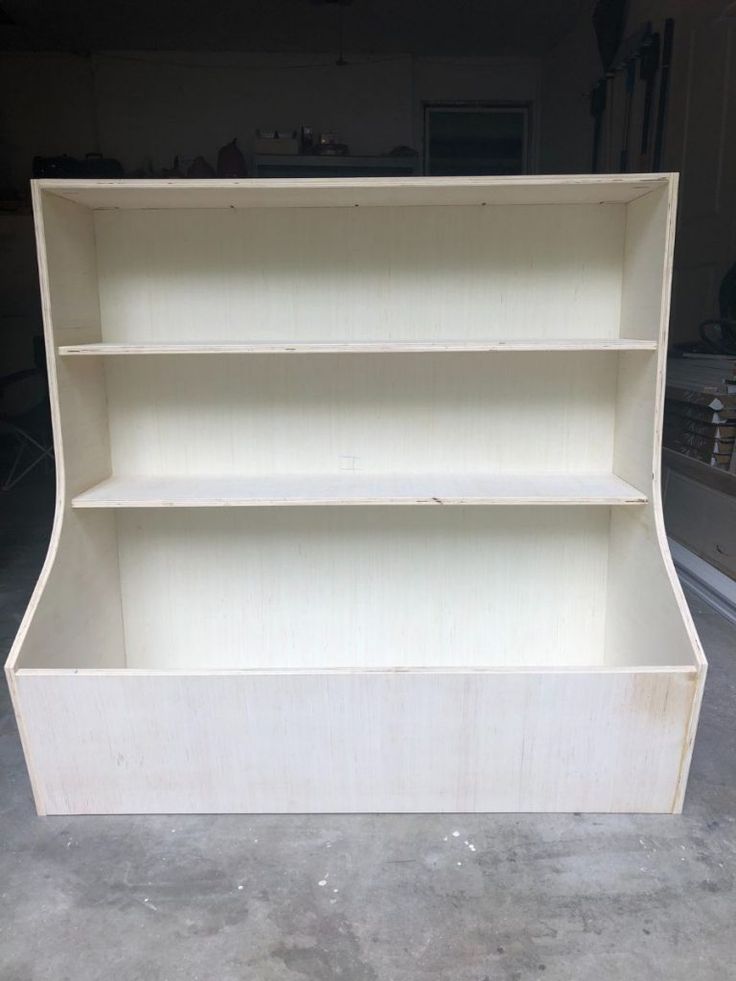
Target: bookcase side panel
{"points": [[74, 617], [647, 617]]}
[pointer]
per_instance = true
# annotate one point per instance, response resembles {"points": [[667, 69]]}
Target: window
{"points": [[465, 138]]}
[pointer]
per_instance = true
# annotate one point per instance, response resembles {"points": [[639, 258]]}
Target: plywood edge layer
{"points": [[356, 347], [353, 192], [594, 669]]}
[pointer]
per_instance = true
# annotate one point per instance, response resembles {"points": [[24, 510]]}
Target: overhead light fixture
{"points": [[340, 4]]}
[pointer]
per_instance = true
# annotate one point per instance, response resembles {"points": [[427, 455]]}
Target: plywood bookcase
{"points": [[358, 500]]}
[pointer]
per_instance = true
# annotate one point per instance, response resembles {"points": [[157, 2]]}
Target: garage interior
{"points": [[366, 88]]}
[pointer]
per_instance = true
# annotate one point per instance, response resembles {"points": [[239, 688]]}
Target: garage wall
{"points": [[700, 135], [700, 143], [568, 74], [144, 108]]}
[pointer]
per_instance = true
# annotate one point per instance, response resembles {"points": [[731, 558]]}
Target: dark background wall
{"points": [[144, 82]]}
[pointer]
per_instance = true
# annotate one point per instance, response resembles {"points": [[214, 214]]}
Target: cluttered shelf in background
{"points": [[700, 409]]}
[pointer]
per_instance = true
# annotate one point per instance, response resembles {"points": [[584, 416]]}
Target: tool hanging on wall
{"points": [[629, 100], [597, 108], [664, 82], [635, 49], [609, 18], [648, 68], [625, 61], [641, 50]]}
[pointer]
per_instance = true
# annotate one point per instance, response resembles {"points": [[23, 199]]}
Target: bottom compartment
{"points": [[370, 659], [361, 588], [357, 742]]}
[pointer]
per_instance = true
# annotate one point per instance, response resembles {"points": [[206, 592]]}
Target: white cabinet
{"points": [[358, 500]]}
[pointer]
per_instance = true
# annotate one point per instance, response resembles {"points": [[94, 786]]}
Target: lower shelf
{"points": [[353, 488]]}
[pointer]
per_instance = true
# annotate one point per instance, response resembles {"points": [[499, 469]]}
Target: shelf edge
{"points": [[358, 347]]}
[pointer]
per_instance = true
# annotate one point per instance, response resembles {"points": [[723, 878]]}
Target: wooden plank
{"points": [[702, 517], [700, 413], [57, 630], [686, 424], [360, 489], [357, 347], [394, 742], [682, 392], [643, 588], [703, 473], [349, 192]]}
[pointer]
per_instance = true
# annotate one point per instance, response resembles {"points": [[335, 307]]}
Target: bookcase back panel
{"points": [[375, 587], [525, 413], [361, 273]]}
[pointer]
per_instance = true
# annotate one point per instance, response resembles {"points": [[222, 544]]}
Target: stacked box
{"points": [[700, 408]]}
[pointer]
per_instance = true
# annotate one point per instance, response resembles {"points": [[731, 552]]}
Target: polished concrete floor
{"points": [[367, 898]]}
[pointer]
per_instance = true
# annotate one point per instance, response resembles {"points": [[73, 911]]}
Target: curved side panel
{"points": [[74, 617], [648, 620], [643, 712]]}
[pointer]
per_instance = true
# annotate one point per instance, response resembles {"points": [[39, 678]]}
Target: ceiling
{"points": [[420, 27]]}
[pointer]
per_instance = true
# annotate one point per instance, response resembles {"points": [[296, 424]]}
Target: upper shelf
{"points": [[351, 192], [356, 347], [355, 488]]}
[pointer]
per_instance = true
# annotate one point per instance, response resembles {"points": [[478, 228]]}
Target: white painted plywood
{"points": [[363, 587], [398, 742], [356, 347], [349, 193], [521, 413], [328, 658], [315, 490], [361, 274]]}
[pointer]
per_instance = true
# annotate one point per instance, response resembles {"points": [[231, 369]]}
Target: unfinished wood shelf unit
{"points": [[247, 379]]}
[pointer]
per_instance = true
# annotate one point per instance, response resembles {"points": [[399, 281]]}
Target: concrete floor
{"points": [[368, 898]]}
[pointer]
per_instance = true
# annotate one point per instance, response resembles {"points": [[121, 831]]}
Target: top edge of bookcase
{"points": [[355, 192]]}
